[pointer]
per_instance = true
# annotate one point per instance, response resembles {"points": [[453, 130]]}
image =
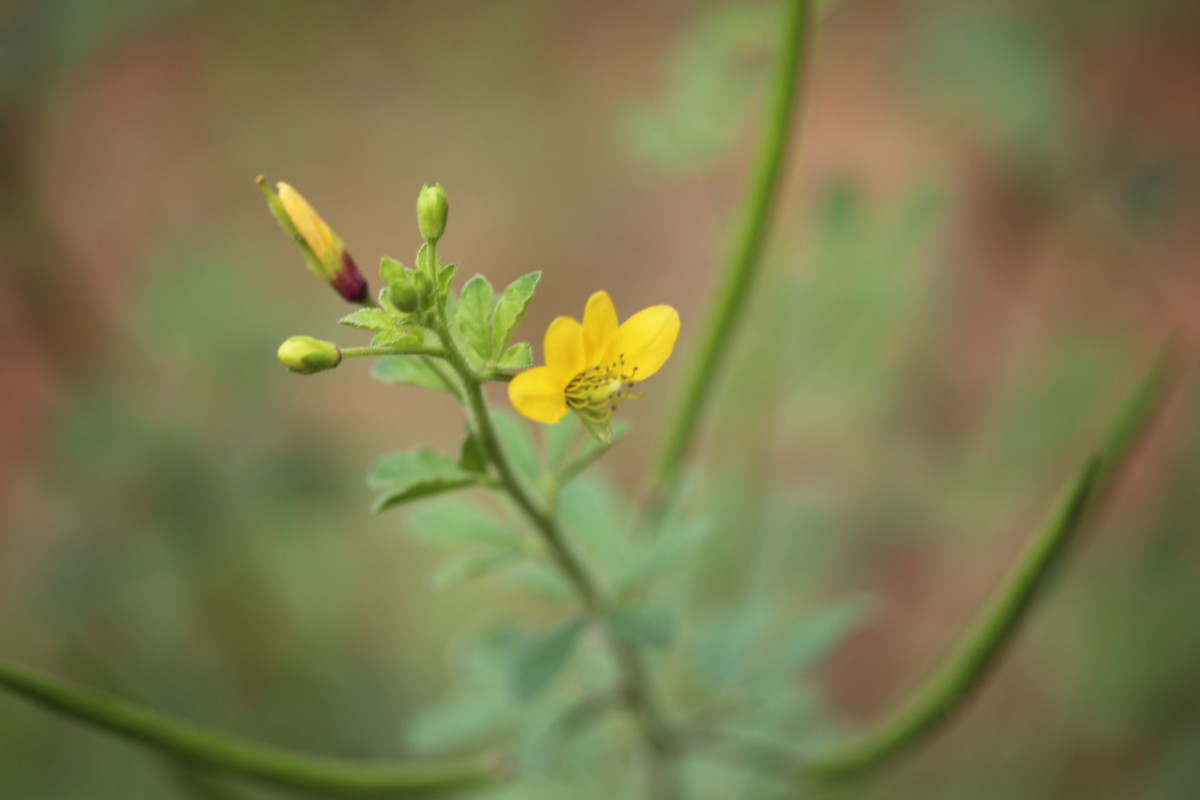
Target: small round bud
{"points": [[403, 296], [433, 206], [306, 355]]}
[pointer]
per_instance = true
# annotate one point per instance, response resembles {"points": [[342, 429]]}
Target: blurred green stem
{"points": [[968, 663], [636, 690], [194, 745], [745, 256]]}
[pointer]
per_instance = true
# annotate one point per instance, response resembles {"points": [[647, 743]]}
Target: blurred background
{"points": [[987, 230]]}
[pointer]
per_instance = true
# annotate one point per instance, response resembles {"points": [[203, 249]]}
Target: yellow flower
{"points": [[591, 368]]}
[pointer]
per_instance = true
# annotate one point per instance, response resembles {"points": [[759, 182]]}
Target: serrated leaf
{"points": [[369, 319], [411, 466], [392, 271], [414, 371], [543, 658], [397, 337], [464, 569], [510, 310], [643, 626], [416, 474], [458, 523], [419, 491], [471, 456], [474, 316], [517, 443], [519, 356]]}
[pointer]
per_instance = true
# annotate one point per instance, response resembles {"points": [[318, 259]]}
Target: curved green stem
{"points": [[969, 662], [269, 765], [742, 265]]}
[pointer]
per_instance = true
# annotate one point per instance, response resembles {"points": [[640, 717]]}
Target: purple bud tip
{"points": [[349, 282]]}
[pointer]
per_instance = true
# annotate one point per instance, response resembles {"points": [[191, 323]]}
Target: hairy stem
{"points": [[636, 690], [742, 264], [194, 745]]}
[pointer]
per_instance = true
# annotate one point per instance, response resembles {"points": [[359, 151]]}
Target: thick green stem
{"points": [[636, 689], [968, 663], [742, 266], [195, 745]]}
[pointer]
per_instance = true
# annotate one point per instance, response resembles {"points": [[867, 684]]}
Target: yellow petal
{"points": [[308, 222], [564, 349], [599, 327], [646, 340], [538, 394]]}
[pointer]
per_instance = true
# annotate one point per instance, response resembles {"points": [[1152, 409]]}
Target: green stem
{"points": [[968, 663], [366, 352], [192, 744], [742, 265], [636, 690]]}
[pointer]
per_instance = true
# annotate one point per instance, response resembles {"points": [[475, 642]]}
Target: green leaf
{"points": [[643, 626], [392, 271], [397, 337], [816, 636], [369, 319], [419, 491], [474, 316], [411, 466], [674, 546], [511, 310], [540, 661], [472, 457], [475, 566], [416, 474], [518, 444], [413, 370], [519, 356], [457, 523]]}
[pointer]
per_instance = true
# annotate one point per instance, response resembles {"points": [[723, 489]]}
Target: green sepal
{"points": [[540, 661], [601, 431], [510, 310], [369, 319], [446, 278], [519, 356]]}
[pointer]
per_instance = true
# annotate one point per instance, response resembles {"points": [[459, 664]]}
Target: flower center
{"points": [[596, 392]]}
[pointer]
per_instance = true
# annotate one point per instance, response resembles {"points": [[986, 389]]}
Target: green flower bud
{"points": [[403, 296], [423, 286], [433, 206], [306, 355]]}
